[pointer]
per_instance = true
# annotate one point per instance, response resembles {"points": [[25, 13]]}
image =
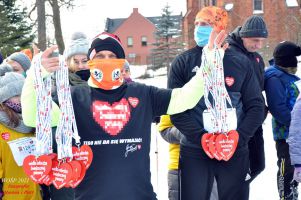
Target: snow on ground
{"points": [[264, 187]]}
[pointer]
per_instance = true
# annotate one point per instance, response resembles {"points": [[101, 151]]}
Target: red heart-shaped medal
{"points": [[205, 143], [47, 180], [74, 184], [84, 154], [212, 147], [62, 174], [76, 170], [226, 144], [112, 118], [37, 167]]}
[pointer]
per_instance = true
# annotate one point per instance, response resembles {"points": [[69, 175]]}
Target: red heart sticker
{"points": [[5, 136], [212, 147], [84, 154], [229, 81], [205, 144], [61, 173], [134, 101], [111, 118], [226, 144], [37, 167]]}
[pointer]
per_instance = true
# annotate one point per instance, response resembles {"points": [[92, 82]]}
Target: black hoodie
{"points": [[245, 94], [236, 44]]}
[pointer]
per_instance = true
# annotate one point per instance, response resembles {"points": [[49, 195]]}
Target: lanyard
{"points": [[66, 129], [44, 105], [215, 90]]}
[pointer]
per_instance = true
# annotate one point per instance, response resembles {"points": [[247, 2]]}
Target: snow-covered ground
{"points": [[262, 188]]}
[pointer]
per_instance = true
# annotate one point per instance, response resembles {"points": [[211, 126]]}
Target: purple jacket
{"points": [[294, 138]]}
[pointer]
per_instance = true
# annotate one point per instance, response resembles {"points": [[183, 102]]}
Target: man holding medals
{"points": [[114, 118], [232, 109]]}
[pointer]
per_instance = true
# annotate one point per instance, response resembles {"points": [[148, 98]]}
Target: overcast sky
{"points": [[89, 15]]}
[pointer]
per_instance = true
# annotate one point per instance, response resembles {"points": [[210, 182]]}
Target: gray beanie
{"points": [[10, 85], [5, 67], [254, 26], [22, 59], [79, 45]]}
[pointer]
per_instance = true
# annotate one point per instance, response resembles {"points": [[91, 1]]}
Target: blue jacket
{"points": [[281, 94]]}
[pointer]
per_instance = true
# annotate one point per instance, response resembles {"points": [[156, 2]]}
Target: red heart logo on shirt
{"points": [[5, 136], [229, 80], [134, 101], [112, 118]]}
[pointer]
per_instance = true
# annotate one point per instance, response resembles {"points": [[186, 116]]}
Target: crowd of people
{"points": [[113, 115]]}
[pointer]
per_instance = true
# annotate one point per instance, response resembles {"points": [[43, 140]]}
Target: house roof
{"points": [[113, 24]]}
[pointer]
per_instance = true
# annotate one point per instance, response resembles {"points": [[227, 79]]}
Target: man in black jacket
{"points": [[197, 169], [246, 41]]}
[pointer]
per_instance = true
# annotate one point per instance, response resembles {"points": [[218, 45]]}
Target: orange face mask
{"points": [[106, 73]]}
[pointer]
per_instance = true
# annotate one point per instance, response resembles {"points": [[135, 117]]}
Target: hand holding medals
{"points": [[219, 143], [66, 168]]}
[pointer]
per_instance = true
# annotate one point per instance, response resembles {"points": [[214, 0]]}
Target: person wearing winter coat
{"points": [[197, 169], [16, 140], [294, 139], [281, 93], [173, 136], [17, 62], [120, 139], [246, 40]]}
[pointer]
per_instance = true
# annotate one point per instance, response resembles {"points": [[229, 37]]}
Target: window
{"points": [[144, 41], [132, 55], [130, 41], [214, 2], [258, 6], [291, 3]]}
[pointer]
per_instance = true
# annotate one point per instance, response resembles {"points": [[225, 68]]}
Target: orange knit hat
{"points": [[28, 53], [214, 16]]}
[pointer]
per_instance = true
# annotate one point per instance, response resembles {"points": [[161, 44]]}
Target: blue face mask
{"points": [[201, 35]]}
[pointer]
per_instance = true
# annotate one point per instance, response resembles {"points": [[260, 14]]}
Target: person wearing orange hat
{"points": [[197, 170]]}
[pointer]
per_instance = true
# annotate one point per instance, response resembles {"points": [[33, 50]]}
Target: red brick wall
{"points": [[136, 26], [283, 23]]}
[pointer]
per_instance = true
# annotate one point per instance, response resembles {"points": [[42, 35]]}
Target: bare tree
{"points": [[57, 25], [56, 5], [41, 19]]}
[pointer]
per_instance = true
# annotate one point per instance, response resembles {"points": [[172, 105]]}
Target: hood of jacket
{"points": [[235, 40]]}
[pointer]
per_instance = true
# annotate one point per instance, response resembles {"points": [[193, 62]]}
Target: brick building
{"points": [[283, 18], [137, 34]]}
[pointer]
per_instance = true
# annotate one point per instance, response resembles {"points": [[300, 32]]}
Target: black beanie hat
{"points": [[106, 41], [254, 26], [285, 54]]}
